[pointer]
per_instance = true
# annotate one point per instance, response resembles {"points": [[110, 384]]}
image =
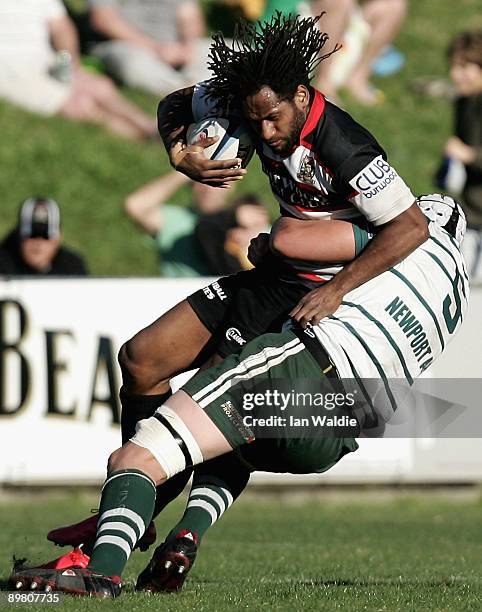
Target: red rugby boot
{"points": [[74, 581], [84, 533]]}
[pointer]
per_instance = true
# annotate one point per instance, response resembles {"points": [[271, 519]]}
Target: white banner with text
{"points": [[59, 383]]}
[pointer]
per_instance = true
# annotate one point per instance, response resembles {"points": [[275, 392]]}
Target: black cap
{"points": [[39, 218]]}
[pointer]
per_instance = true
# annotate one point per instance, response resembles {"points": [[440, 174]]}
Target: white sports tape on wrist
{"points": [[156, 438]]}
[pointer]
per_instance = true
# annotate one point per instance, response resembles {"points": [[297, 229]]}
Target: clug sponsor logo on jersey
{"points": [[234, 334], [375, 177]]}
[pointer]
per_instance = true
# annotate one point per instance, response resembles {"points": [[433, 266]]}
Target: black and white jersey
{"points": [[336, 171]]}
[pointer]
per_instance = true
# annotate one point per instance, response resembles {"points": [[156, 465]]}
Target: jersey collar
{"points": [[316, 111]]}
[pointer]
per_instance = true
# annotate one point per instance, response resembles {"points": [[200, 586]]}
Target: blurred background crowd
{"points": [[80, 157]]}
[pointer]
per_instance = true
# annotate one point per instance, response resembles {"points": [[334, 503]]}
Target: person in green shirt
{"points": [[172, 226], [205, 239]]}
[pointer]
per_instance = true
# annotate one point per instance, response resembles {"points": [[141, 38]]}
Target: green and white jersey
{"points": [[397, 324]]}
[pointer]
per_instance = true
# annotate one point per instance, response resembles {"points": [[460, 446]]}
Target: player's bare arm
{"points": [[174, 116], [396, 239], [319, 241]]}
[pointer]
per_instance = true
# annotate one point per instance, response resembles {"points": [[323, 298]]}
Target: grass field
{"points": [[404, 552], [90, 172]]}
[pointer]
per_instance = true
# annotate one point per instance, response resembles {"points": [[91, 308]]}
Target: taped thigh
{"points": [[168, 439]]}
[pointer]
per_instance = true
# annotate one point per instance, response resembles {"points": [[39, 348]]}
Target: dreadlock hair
{"points": [[281, 53]]}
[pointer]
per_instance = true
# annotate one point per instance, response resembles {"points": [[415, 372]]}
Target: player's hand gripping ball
{"points": [[233, 141]]}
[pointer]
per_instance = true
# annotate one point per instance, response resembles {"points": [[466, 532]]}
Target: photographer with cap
{"points": [[34, 247]]}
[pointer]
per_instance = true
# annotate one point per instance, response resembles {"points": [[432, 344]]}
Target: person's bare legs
{"points": [[334, 24], [112, 101], [385, 18], [174, 343], [81, 106], [165, 348], [180, 430], [96, 100]]}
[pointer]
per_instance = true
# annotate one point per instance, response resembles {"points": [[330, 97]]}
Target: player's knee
{"points": [[124, 458], [137, 366], [134, 457], [132, 363], [115, 460]]}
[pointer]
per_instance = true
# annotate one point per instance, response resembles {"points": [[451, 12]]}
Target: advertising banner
{"points": [[59, 383]]}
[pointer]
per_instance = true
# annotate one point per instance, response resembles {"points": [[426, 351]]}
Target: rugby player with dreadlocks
{"points": [[322, 166]]}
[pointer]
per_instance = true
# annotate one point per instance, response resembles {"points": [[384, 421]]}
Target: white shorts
{"points": [[32, 89]]}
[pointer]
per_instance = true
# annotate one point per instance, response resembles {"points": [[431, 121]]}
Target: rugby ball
{"points": [[234, 139]]}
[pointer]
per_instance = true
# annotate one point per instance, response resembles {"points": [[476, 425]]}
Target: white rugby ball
{"points": [[234, 140]]}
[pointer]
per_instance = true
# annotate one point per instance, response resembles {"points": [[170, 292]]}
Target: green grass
{"points": [[90, 172], [407, 553]]}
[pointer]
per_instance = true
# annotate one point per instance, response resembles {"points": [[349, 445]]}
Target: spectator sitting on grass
{"points": [[210, 239], [31, 31], [225, 235], [465, 55], [367, 26], [155, 45], [34, 246]]}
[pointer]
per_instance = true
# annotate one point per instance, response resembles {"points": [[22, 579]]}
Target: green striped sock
{"points": [[126, 508], [207, 503]]}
